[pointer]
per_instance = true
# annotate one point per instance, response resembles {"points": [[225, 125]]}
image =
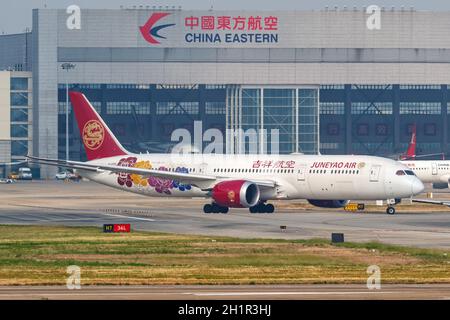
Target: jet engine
{"points": [[329, 203], [236, 194], [440, 185]]}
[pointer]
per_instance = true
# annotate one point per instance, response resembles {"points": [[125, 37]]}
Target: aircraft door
{"points": [[434, 170], [375, 173], [301, 173]]}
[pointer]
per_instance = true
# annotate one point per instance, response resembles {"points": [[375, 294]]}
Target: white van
{"points": [[25, 174]]}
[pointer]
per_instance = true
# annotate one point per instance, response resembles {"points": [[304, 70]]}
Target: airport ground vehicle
{"points": [[67, 175], [13, 175], [25, 174], [235, 181]]}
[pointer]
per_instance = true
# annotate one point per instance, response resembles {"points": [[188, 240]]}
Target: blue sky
{"points": [[15, 15]]}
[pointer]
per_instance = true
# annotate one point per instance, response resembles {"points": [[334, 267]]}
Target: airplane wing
{"points": [[201, 180], [444, 203]]}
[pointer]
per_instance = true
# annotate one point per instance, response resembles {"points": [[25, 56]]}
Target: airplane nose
{"points": [[417, 186]]}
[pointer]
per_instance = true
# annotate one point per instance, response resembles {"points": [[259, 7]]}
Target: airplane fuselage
{"points": [[296, 176], [430, 171]]}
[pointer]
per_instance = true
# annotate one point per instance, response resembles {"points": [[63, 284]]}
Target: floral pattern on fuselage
{"points": [[161, 185]]}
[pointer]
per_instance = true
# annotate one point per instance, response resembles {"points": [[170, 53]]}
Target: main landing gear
{"points": [[214, 208], [262, 208]]}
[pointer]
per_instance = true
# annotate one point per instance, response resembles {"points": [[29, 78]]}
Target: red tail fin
{"points": [[411, 152], [99, 142]]}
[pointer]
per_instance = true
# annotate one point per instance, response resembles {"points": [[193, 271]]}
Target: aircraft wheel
{"points": [[224, 210], [390, 210], [207, 208], [270, 208], [253, 209], [215, 208]]}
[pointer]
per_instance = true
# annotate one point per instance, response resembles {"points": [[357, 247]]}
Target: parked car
{"points": [[67, 175], [25, 174]]}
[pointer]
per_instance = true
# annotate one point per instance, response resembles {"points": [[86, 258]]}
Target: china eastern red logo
{"points": [[150, 30]]}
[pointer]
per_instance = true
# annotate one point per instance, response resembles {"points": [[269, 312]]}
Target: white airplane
{"points": [[436, 172], [236, 181]]}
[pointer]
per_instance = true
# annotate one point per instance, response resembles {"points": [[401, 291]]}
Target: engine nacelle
{"points": [[440, 185], [236, 194], [329, 203]]}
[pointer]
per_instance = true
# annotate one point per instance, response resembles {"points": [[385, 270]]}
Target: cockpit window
{"points": [[400, 173], [409, 172]]}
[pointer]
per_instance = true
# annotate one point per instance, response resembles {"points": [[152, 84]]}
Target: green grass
{"points": [[40, 255]]}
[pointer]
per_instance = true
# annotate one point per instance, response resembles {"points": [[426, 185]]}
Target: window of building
{"points": [[371, 86], [126, 107], [89, 86], [19, 99], [329, 145], [177, 86], [215, 107], [19, 114], [381, 129], [19, 84], [186, 107], [363, 129], [127, 86], [371, 108], [333, 129], [19, 147], [430, 129], [420, 108], [332, 87], [215, 86], [420, 87], [62, 107], [19, 130], [332, 108]]}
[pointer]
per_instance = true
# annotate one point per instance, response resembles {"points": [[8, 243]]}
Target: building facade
{"points": [[150, 71], [16, 114]]}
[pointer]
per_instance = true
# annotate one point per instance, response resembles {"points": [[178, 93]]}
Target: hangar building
{"points": [[149, 71]]}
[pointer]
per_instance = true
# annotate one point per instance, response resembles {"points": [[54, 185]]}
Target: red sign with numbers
{"points": [[124, 227]]}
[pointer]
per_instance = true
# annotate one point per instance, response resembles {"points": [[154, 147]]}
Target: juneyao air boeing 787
{"points": [[235, 181]]}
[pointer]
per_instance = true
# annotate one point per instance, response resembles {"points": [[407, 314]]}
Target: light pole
{"points": [[67, 66]]}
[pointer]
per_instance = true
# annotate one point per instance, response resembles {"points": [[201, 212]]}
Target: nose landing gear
{"points": [[390, 210], [391, 202]]}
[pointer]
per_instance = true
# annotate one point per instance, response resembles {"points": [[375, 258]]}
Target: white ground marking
{"points": [[127, 217], [282, 293]]}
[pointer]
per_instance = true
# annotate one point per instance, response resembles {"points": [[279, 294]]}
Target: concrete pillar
{"points": [[348, 119], [396, 116]]}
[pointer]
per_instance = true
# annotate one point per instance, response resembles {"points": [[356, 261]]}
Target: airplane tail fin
{"points": [[411, 151], [98, 140]]}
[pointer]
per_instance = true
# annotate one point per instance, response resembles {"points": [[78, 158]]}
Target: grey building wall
{"points": [[15, 52], [45, 88], [5, 151], [313, 47]]}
